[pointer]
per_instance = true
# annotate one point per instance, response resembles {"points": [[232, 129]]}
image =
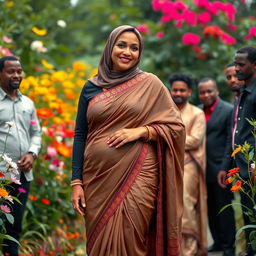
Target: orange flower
{"points": [[232, 172], [213, 31], [237, 186], [63, 149], [238, 149], [33, 198], [3, 192], [45, 201], [44, 113]]}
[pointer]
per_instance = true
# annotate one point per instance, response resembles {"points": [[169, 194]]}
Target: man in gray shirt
{"points": [[23, 141]]}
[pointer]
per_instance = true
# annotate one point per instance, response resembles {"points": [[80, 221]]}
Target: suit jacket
{"points": [[217, 131]]}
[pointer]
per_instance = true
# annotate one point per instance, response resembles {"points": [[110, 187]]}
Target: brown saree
{"points": [[134, 193]]}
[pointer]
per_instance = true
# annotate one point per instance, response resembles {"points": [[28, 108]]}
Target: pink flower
{"points": [[5, 208], [157, 5], [201, 3], [204, 18], [7, 40], [227, 39], [189, 17], [14, 179], [243, 1], [51, 151], [231, 27], [230, 11], [191, 39], [5, 51], [22, 190], [160, 34], [252, 33], [143, 28], [33, 122]]}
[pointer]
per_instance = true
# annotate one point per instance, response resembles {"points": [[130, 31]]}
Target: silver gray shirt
{"points": [[25, 135]]}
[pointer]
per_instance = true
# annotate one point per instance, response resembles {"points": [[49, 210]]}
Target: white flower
{"points": [[253, 165], [9, 124], [61, 23], [38, 46], [10, 165], [59, 138], [14, 179]]}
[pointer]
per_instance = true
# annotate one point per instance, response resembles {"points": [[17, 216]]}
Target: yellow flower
{"points": [[79, 66], [59, 76], [47, 64], [238, 149], [94, 72], [3, 192], [9, 4], [39, 32]]}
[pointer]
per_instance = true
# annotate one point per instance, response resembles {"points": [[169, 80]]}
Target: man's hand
{"points": [[221, 178], [25, 163]]}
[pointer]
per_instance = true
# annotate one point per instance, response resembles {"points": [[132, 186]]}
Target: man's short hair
{"points": [[6, 58], [206, 79], [181, 77], [251, 51]]}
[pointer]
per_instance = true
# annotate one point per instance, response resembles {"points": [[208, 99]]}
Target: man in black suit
{"points": [[245, 62], [218, 117]]}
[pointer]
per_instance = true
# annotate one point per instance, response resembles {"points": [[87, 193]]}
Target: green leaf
{"points": [[239, 231], [9, 217], [3, 236]]}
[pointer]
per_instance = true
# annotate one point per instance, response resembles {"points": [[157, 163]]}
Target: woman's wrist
{"points": [[76, 182]]}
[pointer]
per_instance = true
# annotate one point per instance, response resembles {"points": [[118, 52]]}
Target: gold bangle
{"points": [[149, 137], [73, 184]]}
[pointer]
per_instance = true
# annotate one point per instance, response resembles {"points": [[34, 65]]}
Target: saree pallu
{"points": [[134, 193]]}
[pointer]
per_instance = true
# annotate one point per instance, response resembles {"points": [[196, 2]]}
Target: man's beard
{"points": [[242, 76], [179, 100], [14, 86]]}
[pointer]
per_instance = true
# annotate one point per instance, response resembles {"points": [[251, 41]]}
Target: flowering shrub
{"points": [[49, 209], [8, 172], [233, 176]]}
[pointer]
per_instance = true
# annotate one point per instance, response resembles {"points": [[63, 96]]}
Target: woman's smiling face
{"points": [[126, 51]]}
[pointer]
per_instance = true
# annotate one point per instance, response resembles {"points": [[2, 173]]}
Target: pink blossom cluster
{"points": [[251, 33], [180, 12]]}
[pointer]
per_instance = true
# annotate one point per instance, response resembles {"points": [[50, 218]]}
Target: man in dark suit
{"points": [[218, 117], [245, 63]]}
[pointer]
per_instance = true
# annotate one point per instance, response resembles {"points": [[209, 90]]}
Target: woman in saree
{"points": [[127, 165]]}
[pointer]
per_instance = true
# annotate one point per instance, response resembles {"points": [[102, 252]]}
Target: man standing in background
{"points": [[194, 228], [218, 117], [22, 145]]}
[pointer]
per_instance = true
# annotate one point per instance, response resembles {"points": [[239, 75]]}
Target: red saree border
{"points": [[173, 245], [120, 196], [110, 93]]}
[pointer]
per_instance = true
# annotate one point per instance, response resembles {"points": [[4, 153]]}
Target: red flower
{"points": [[45, 201], [232, 171], [1, 175], [190, 39], [44, 113], [33, 198], [237, 186], [143, 28], [204, 18], [213, 31], [228, 39]]}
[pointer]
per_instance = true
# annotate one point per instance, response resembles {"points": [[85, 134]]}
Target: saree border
{"points": [[112, 92], [120, 196], [169, 247]]}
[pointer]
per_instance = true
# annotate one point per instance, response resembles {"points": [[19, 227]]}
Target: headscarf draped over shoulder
{"points": [[107, 77]]}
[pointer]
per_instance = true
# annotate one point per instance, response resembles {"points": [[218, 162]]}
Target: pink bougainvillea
{"points": [[143, 28], [204, 18], [191, 39], [251, 33], [160, 34]]}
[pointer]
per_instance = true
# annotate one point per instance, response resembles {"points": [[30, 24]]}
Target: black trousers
{"points": [[222, 225], [14, 230]]}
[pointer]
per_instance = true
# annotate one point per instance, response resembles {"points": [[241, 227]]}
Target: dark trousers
{"points": [[222, 225], [248, 203], [14, 230]]}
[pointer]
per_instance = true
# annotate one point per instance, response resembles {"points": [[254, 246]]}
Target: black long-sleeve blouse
{"points": [[89, 91]]}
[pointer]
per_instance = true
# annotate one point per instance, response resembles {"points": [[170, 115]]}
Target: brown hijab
{"points": [[107, 77]]}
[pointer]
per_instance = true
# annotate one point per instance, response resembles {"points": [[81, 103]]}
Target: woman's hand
{"points": [[78, 200], [123, 136]]}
